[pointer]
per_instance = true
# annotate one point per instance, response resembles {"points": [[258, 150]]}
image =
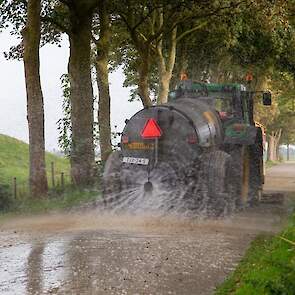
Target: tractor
{"points": [[199, 153]]}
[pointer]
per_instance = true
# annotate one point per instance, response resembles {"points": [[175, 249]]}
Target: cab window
{"points": [[223, 105]]}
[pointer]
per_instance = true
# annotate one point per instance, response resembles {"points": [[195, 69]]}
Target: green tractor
{"points": [[200, 153]]}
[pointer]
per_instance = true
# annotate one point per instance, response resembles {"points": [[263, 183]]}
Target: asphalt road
{"points": [[91, 253]]}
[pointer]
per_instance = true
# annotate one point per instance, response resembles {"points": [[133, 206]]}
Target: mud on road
{"points": [[91, 253]]}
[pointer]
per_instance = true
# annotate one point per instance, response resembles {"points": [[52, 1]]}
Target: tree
{"points": [[139, 19], [146, 23], [166, 56], [281, 129], [101, 33], [35, 107], [23, 18], [102, 46], [153, 28], [74, 17], [79, 16]]}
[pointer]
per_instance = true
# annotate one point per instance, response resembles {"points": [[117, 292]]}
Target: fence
{"points": [[56, 180]]}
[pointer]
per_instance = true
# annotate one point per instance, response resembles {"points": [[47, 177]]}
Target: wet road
{"points": [[94, 254], [99, 262]]}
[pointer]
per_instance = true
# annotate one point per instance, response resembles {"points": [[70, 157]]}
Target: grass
{"points": [[69, 199], [56, 202], [14, 161], [267, 268]]}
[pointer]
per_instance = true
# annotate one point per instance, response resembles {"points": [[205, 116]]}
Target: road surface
{"points": [[91, 253], [281, 178]]}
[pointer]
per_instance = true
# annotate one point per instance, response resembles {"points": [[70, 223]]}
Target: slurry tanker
{"points": [[199, 152]]}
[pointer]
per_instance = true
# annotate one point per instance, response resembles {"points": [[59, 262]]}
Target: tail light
{"points": [[125, 139], [192, 139]]}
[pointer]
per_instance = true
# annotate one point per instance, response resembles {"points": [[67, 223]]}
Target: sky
{"points": [[53, 62]]}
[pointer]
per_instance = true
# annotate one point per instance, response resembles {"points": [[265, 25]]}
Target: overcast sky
{"points": [[53, 64]]}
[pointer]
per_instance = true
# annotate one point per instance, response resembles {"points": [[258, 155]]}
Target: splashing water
{"points": [[166, 194]]}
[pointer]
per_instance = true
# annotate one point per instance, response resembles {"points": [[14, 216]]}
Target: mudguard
{"points": [[240, 134]]}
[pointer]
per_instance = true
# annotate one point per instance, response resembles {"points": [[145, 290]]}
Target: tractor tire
{"points": [[218, 174], [240, 174], [248, 171], [256, 175]]}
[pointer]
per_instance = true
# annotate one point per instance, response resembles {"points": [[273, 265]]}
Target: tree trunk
{"points": [[166, 68], [164, 87], [82, 151], [35, 106], [143, 83], [181, 65], [104, 109], [102, 77], [274, 139], [271, 149]]}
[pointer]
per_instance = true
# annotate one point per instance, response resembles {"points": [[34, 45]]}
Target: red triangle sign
{"points": [[151, 130]]}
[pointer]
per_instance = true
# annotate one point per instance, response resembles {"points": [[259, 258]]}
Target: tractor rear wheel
{"points": [[256, 176], [249, 175], [218, 174], [241, 170]]}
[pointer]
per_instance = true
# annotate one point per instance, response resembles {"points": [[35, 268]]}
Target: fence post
{"points": [[62, 180], [52, 174], [14, 188]]}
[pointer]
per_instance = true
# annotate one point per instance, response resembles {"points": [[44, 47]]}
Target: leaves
{"points": [[64, 125]]}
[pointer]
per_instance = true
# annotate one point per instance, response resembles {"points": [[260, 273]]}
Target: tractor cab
{"points": [[225, 98], [231, 101]]}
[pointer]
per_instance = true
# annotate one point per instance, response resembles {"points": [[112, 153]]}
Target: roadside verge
{"points": [[268, 266]]}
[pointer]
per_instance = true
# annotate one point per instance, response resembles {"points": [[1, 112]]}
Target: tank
{"points": [[187, 155]]}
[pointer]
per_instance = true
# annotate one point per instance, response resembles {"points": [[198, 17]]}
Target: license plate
{"points": [[139, 161]]}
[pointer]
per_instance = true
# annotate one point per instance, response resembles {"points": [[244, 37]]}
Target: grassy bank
{"points": [[14, 161], [267, 268]]}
